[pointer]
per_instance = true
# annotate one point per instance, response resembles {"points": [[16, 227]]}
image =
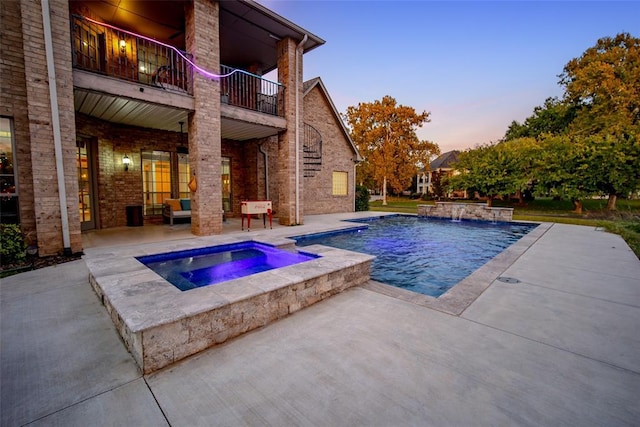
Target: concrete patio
{"points": [[560, 346]]}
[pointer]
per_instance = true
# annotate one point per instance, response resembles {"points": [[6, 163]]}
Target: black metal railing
{"points": [[118, 53], [312, 151], [243, 89], [104, 49]]}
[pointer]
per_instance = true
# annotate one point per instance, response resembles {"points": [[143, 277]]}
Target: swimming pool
{"points": [[428, 256], [207, 266]]}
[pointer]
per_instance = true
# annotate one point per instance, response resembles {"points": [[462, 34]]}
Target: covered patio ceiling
{"points": [[131, 112]]}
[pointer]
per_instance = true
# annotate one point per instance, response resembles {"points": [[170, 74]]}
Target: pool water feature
{"points": [[195, 268], [427, 256]]}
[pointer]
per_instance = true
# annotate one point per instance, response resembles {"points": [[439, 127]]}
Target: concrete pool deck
{"points": [[558, 346]]}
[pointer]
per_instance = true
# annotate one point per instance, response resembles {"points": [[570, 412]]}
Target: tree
{"points": [[496, 169], [384, 132], [564, 169], [604, 86], [553, 118], [605, 83]]}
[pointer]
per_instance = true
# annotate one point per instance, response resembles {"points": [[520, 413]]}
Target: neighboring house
{"points": [[441, 167], [139, 110]]}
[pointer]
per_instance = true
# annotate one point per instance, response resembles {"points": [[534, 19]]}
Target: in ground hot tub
{"points": [[161, 324], [194, 268]]}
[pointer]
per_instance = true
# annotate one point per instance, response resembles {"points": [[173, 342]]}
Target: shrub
{"points": [[12, 244], [362, 198]]}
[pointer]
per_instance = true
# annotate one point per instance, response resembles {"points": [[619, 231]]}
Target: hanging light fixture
{"points": [[182, 149]]}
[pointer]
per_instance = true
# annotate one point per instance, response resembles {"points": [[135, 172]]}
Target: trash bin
{"points": [[134, 216]]}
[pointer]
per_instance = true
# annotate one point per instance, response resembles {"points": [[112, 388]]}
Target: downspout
{"points": [[266, 170], [55, 121], [298, 48]]}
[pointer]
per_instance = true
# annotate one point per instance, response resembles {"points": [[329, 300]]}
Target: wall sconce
{"points": [[123, 46], [125, 161]]}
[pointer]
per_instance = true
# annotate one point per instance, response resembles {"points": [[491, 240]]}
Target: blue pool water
{"points": [[207, 266], [428, 256]]}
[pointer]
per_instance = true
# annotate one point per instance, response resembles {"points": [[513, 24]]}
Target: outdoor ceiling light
{"points": [[125, 161]]}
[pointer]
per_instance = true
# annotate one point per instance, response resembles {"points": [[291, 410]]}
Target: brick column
{"points": [[45, 184], [287, 140], [202, 40]]}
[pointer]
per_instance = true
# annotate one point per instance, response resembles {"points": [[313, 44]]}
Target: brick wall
{"points": [[118, 188], [337, 155], [13, 104], [44, 197], [286, 176], [202, 40]]}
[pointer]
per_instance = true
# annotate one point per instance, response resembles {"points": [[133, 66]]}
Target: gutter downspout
{"points": [[299, 47], [55, 121], [266, 170]]}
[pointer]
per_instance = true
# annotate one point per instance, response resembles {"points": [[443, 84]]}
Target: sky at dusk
{"points": [[475, 66]]}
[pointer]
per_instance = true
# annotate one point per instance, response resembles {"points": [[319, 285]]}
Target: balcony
{"points": [[107, 50], [116, 53], [243, 89]]}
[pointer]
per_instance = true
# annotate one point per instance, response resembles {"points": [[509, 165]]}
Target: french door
{"points": [[85, 161]]}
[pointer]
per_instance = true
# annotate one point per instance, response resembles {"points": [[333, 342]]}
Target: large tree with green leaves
{"points": [[496, 169], [385, 134], [604, 84], [553, 118], [575, 179], [600, 109]]}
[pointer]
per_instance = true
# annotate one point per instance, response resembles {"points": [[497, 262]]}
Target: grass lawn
{"points": [[625, 221]]}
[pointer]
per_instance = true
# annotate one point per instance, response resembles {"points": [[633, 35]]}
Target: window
{"points": [[184, 175], [340, 180], [156, 180], [8, 189]]}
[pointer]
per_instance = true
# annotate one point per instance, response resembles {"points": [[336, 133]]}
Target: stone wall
{"points": [[191, 321], [473, 211]]}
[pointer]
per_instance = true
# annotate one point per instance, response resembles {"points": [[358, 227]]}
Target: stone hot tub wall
{"points": [[161, 325]]}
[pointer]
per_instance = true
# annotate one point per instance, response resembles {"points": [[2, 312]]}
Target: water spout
{"points": [[423, 210], [456, 213]]}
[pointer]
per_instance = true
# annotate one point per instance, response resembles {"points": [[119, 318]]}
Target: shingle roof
{"points": [[445, 160]]}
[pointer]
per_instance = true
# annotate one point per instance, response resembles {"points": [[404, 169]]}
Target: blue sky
{"points": [[475, 66]]}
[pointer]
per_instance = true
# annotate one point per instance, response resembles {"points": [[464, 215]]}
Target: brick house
{"points": [[150, 96]]}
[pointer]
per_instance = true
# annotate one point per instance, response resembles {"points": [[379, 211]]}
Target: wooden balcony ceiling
{"points": [[248, 30]]}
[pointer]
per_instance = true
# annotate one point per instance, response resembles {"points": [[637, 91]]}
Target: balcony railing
{"points": [[243, 89], [105, 50]]}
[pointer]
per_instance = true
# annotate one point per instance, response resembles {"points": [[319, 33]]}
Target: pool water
{"points": [[428, 256], [195, 268]]}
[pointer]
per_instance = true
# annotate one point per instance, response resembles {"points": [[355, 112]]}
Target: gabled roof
{"points": [[308, 87], [445, 160]]}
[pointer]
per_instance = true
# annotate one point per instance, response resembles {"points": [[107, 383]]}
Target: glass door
{"points": [[226, 185], [86, 193]]}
